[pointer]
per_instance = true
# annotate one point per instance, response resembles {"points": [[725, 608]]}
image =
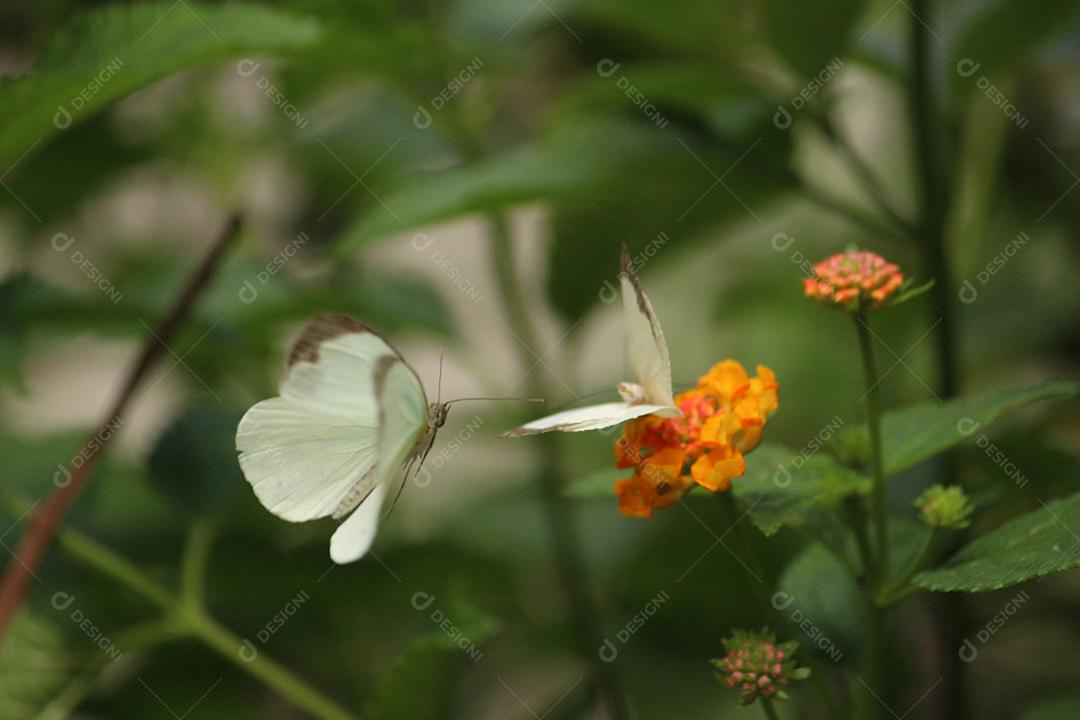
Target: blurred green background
{"points": [[381, 153]]}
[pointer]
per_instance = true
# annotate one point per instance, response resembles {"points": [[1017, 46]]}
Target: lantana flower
{"points": [[853, 280], [722, 418], [758, 666]]}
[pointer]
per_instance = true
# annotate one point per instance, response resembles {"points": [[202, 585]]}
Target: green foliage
{"points": [[418, 684], [1007, 31], [1030, 546], [35, 666], [809, 52], [917, 433], [780, 487], [113, 51]]}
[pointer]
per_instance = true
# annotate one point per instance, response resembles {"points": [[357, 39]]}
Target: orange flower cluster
{"points": [[722, 420], [851, 279]]}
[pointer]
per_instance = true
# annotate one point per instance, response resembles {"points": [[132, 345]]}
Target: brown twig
{"points": [[28, 554]]}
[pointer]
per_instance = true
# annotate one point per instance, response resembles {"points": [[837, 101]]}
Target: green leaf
{"points": [[417, 686], [106, 54], [914, 434], [779, 486], [557, 165], [1007, 32], [1030, 546], [35, 666], [809, 51], [911, 293]]}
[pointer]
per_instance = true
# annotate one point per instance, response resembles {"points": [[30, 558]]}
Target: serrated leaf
{"points": [[1030, 546], [105, 54], [914, 434], [780, 486]]}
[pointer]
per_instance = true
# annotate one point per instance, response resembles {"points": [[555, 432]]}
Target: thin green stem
{"points": [[770, 711], [898, 590], [193, 565], [872, 660], [855, 514], [932, 167], [877, 467], [289, 686], [773, 616], [870, 674], [181, 618], [566, 540]]}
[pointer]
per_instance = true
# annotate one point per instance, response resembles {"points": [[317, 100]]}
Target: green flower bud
{"points": [[945, 507]]}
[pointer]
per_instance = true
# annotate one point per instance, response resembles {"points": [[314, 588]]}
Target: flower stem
{"points": [[565, 538], [899, 590], [877, 467], [873, 662], [770, 711]]}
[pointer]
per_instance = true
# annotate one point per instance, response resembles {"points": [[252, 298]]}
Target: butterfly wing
{"points": [[403, 419], [646, 346], [593, 417], [314, 451]]}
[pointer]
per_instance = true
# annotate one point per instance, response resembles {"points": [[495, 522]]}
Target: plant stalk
{"points": [[872, 660], [877, 467], [770, 711], [565, 537]]}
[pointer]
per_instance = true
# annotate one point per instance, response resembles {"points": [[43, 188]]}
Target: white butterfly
{"points": [[649, 359], [351, 413]]}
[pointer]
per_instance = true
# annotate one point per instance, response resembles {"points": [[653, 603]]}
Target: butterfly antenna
{"points": [[438, 391], [496, 399]]}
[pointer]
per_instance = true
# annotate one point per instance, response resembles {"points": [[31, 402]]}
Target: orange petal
{"points": [[635, 498], [715, 469], [725, 379]]}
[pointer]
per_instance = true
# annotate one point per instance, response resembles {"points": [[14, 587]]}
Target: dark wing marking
{"points": [[323, 327]]}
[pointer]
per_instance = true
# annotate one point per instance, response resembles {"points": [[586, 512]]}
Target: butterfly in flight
{"points": [[648, 354], [350, 416]]}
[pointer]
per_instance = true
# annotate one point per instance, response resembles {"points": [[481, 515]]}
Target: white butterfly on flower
{"points": [[350, 415], [648, 355]]}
